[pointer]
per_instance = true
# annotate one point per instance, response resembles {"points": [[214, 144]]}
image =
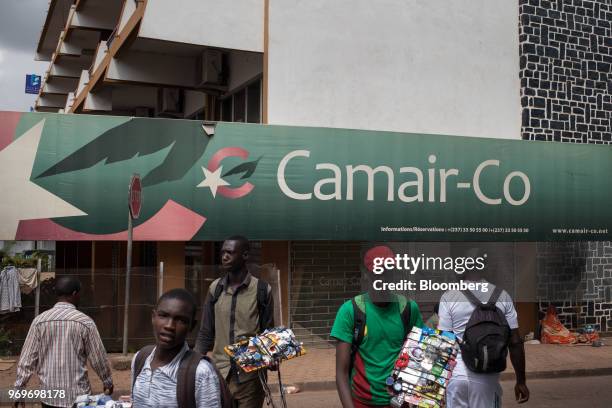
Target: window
{"points": [[242, 105], [254, 102]]}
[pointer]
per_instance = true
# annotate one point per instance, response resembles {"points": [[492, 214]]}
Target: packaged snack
{"points": [[261, 351]]}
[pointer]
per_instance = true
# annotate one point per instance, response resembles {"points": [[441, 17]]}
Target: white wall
{"points": [[445, 67], [237, 24]]}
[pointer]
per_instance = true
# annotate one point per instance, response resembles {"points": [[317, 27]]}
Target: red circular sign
{"points": [[135, 196]]}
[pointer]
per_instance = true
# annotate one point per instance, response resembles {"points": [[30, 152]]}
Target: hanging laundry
{"points": [[28, 280], [10, 297]]}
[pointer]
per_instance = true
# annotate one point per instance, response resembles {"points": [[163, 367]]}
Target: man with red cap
{"points": [[370, 329]]}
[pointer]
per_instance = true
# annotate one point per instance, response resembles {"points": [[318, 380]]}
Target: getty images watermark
{"points": [[406, 264]]}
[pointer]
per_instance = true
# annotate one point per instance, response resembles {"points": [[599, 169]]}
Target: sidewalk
{"points": [[316, 370]]}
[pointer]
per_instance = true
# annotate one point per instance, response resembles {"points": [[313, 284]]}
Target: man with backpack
{"points": [[486, 323], [58, 345], [170, 374], [238, 305], [370, 329]]}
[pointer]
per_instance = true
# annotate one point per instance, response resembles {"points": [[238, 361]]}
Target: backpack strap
{"points": [[489, 305], [186, 381], [217, 292], [263, 290], [359, 324], [494, 296], [405, 307], [139, 362], [472, 298], [226, 396], [186, 376]]}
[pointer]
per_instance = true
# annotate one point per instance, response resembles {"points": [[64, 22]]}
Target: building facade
{"points": [[528, 69]]}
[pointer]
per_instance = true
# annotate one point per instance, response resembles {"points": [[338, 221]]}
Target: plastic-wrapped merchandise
{"points": [[261, 351], [100, 400], [423, 369]]}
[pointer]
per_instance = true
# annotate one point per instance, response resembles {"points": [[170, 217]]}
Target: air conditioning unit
{"points": [[169, 102], [209, 71]]}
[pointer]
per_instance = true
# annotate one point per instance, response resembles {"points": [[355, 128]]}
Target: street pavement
{"points": [[592, 392], [557, 375], [316, 370]]}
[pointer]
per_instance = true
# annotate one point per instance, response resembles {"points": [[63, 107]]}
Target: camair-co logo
{"points": [[214, 176], [415, 184]]}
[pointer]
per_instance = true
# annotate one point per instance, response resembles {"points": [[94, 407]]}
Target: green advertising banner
{"points": [[65, 177]]}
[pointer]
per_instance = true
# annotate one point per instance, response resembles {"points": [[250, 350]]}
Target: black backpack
{"points": [[484, 348], [359, 322], [262, 299], [186, 377]]}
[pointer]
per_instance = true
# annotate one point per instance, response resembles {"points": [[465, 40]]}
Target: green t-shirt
{"points": [[382, 342]]}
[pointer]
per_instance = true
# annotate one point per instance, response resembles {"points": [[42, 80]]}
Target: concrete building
{"points": [[526, 69]]}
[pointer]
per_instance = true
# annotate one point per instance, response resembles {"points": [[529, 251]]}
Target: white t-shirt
{"points": [[456, 310]]}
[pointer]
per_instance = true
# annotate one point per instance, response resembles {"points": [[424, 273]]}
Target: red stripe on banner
{"points": [[8, 125], [237, 192], [234, 151], [172, 223]]}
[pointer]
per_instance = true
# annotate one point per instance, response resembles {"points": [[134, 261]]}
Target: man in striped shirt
{"points": [[58, 345]]}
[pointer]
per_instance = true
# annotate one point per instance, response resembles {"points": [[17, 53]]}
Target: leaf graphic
{"points": [[247, 168], [136, 138]]}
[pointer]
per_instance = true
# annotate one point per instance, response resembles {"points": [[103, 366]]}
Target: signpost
{"points": [[32, 85], [134, 204], [37, 296]]}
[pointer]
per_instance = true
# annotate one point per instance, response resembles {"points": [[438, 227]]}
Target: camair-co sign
{"points": [[278, 182], [415, 182]]}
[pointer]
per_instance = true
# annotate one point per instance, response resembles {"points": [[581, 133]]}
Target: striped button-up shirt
{"points": [[156, 389], [10, 297], [57, 347]]}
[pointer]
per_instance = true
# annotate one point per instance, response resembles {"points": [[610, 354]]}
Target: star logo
{"points": [[213, 180], [213, 176], [23, 199]]}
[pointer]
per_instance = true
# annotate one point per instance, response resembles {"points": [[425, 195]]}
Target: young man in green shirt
{"points": [[388, 319]]}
